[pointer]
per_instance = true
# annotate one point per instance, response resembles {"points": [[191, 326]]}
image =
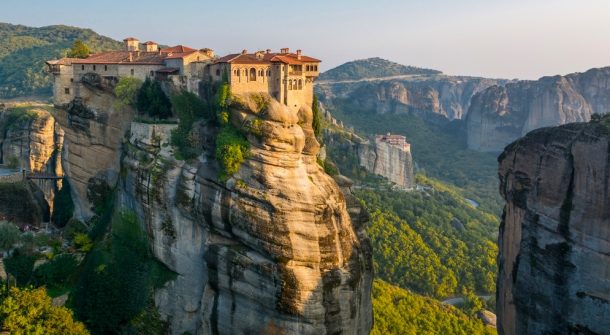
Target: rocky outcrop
{"points": [[95, 127], [501, 114], [30, 137], [438, 98], [554, 238], [278, 248], [390, 161]]}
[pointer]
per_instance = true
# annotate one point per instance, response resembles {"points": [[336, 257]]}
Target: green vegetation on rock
{"points": [[127, 91], [232, 148], [151, 99]]}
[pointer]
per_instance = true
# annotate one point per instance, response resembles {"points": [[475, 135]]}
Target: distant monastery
{"points": [[287, 77]]}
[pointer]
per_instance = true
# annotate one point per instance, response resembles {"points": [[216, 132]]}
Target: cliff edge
{"points": [[555, 234]]}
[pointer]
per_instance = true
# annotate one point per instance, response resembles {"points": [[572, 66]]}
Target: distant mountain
{"points": [[499, 115], [23, 51], [372, 68]]}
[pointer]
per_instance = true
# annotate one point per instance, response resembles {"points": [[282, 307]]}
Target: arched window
{"points": [[252, 74], [290, 84], [268, 72], [300, 84]]}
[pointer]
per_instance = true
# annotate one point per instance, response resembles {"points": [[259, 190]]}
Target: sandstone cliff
{"points": [[438, 97], [277, 248], [389, 161], [501, 114], [554, 237]]}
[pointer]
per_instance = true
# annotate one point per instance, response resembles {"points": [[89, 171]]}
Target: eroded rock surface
{"points": [[277, 248], [555, 234], [501, 114]]}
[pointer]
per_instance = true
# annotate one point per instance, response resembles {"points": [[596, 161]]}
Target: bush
{"points": [[126, 91], [12, 162], [73, 227], [82, 242], [56, 273], [30, 311], [9, 235], [316, 123], [20, 266], [231, 150], [63, 206]]}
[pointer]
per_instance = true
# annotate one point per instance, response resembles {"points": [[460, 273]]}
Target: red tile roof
{"points": [[130, 39], [62, 61], [149, 43], [123, 57], [177, 48], [250, 58]]}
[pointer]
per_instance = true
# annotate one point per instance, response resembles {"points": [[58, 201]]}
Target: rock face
{"points": [[390, 161], [501, 114], [554, 238], [438, 97], [277, 248], [94, 131]]}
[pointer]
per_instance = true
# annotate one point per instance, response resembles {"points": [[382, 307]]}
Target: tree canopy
{"points": [[79, 50], [30, 311]]}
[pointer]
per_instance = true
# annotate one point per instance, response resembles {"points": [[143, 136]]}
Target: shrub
{"points": [[231, 150], [126, 91], [56, 273], [20, 266], [12, 162], [9, 235], [73, 227], [30, 311], [82, 242]]}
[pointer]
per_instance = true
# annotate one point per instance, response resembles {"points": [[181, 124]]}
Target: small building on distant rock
{"points": [[390, 157]]}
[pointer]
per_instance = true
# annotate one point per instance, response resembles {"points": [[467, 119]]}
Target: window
{"points": [[66, 90], [300, 84], [82, 67], [252, 74], [268, 73], [93, 67], [71, 80], [105, 67], [132, 72], [152, 73], [290, 84], [218, 72]]}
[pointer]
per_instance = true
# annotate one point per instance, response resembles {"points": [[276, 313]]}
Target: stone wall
{"points": [[390, 161]]}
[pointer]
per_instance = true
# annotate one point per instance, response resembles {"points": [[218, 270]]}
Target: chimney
{"points": [[245, 51], [299, 54], [268, 51], [151, 46], [284, 50], [132, 44]]}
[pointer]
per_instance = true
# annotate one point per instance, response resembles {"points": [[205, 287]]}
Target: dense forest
{"points": [[23, 51], [373, 68], [398, 311]]}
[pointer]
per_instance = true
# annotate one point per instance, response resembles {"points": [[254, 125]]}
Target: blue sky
{"points": [[509, 39]]}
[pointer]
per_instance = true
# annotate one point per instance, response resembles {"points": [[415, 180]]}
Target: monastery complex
{"points": [[288, 77]]}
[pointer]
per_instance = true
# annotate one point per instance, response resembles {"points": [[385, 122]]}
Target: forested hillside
{"points": [[372, 68], [23, 51]]}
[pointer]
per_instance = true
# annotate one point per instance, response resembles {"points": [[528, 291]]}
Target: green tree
{"points": [[9, 235], [63, 206], [126, 91], [231, 150], [20, 266], [316, 123], [30, 311], [79, 50], [151, 99]]}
